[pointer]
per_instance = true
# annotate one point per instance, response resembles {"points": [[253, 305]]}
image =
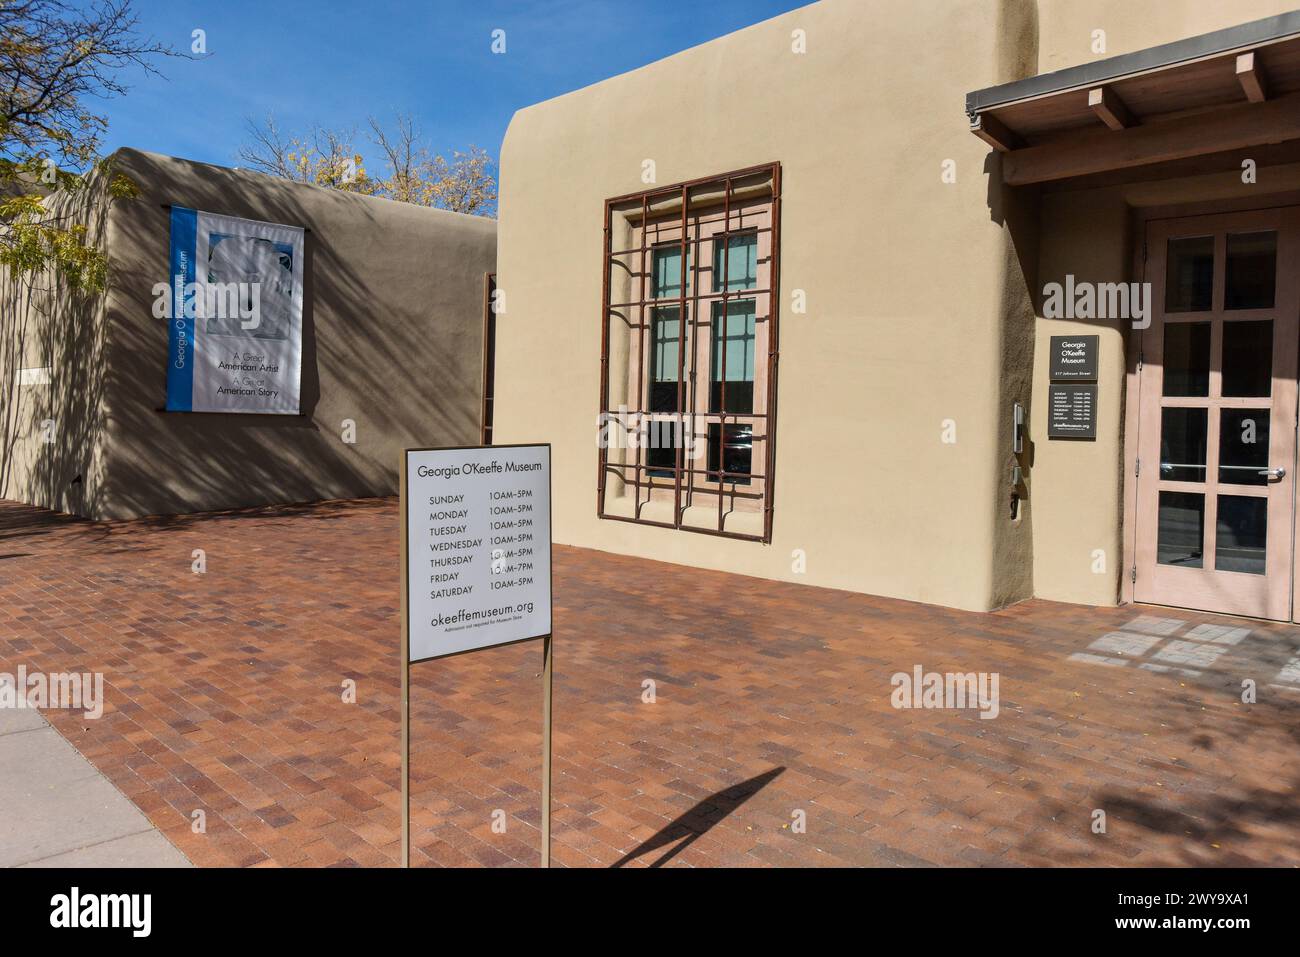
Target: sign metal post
{"points": [[475, 573], [548, 661], [406, 682]]}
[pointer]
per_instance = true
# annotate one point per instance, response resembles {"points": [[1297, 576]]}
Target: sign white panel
{"points": [[478, 547]]}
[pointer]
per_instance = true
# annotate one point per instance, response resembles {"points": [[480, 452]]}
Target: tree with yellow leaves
{"points": [[54, 56], [466, 183], [324, 157]]}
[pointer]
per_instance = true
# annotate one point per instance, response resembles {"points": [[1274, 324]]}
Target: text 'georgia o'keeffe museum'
{"points": [[962, 302], [956, 301]]}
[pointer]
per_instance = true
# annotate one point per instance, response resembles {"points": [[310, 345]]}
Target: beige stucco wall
{"points": [[917, 312], [1065, 27], [393, 312], [52, 426], [921, 295], [1078, 486]]}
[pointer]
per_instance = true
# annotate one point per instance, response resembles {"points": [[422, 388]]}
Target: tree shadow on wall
{"points": [[387, 344], [381, 312], [45, 324]]}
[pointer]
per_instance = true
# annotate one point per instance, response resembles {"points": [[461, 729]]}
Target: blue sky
{"points": [[333, 63]]}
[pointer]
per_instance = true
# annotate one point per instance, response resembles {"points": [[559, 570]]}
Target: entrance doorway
{"points": [[1216, 488]]}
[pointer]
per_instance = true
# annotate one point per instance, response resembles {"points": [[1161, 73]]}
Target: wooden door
{"points": [[1216, 464]]}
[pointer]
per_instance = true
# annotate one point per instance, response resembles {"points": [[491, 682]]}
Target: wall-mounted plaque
{"points": [[1074, 358], [1072, 412]]}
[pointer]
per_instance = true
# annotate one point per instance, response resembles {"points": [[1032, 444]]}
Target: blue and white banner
{"points": [[234, 311]]}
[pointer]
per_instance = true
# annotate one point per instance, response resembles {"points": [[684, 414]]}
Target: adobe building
{"points": [[957, 301], [381, 319]]}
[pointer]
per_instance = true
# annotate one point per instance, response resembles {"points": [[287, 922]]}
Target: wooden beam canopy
{"points": [[1234, 127], [1109, 108], [994, 132], [1177, 105], [1250, 73]]}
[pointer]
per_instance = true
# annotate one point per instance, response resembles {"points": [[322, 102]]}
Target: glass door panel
{"points": [[1243, 446], [1241, 532], [1247, 359], [1183, 433], [1187, 358], [1182, 529]]}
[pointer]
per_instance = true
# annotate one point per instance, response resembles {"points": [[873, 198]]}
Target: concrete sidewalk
{"points": [[57, 810]]}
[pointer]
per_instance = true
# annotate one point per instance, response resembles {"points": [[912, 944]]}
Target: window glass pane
{"points": [[666, 272], [737, 456], [1182, 444], [1250, 271], [741, 267], [1187, 358], [661, 439], [661, 449], [1241, 530], [1180, 529], [735, 346], [1248, 358], [665, 328], [1189, 275], [1243, 446]]}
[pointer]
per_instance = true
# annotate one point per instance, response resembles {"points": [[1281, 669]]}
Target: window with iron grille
{"points": [[689, 355]]}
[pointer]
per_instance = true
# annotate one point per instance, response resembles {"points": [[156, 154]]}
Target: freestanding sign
{"points": [[476, 571], [233, 302]]}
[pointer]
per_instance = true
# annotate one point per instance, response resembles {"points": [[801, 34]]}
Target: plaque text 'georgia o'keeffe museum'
{"points": [[478, 547]]}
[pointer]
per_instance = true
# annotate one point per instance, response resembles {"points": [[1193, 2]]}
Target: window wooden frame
{"points": [[697, 217]]}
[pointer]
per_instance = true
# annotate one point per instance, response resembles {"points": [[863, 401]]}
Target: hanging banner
{"points": [[234, 311]]}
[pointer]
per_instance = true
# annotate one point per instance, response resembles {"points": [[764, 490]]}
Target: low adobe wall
{"points": [[392, 343]]}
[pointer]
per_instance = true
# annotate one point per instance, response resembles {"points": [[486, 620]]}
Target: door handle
{"points": [[1272, 473]]}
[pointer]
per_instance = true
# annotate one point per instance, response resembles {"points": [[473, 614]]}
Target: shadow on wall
{"points": [[49, 434], [392, 340]]}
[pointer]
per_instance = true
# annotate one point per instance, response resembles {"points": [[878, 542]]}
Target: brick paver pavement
{"points": [[225, 695]]}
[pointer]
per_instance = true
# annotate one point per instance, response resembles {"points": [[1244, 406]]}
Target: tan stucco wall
{"points": [[52, 433], [921, 296], [1065, 27], [1078, 486], [913, 288], [392, 341]]}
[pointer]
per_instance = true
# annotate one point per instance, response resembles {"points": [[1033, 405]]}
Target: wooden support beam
{"points": [[994, 132], [1111, 110], [1232, 127], [1250, 73]]}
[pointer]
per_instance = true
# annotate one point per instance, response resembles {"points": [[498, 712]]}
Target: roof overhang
{"points": [[1226, 90]]}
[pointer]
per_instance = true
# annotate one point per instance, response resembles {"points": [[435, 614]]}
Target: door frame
{"points": [[1139, 219]]}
